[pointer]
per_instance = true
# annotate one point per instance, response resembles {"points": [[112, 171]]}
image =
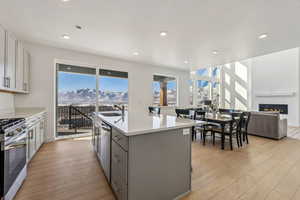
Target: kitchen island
{"points": [[144, 156]]}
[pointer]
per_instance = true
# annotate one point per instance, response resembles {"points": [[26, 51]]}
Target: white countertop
{"points": [[142, 123], [23, 113]]}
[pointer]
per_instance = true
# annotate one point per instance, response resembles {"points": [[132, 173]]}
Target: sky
{"points": [[72, 81]]}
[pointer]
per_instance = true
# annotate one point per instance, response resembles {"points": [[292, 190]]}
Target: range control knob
{"points": [[10, 134]]}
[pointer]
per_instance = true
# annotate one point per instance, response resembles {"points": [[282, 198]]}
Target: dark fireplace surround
{"points": [[282, 108]]}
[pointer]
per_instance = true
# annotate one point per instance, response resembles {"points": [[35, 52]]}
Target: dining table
{"points": [[222, 120]]}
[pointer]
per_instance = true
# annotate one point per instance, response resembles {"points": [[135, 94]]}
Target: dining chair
{"points": [[184, 113], [244, 128], [154, 110], [234, 129], [203, 128]]}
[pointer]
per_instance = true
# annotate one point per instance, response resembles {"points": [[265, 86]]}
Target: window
{"points": [[76, 86], [207, 85], [77, 96], [203, 91], [113, 88], [216, 91], [164, 90], [191, 82], [216, 72], [234, 91], [235, 87], [202, 72]]}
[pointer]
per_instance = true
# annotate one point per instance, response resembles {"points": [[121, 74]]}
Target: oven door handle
{"points": [[16, 139], [15, 146]]}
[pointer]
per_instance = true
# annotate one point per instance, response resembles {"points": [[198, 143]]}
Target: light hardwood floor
{"points": [[294, 132], [65, 170], [265, 169]]}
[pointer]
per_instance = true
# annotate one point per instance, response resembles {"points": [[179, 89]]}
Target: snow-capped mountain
{"points": [[87, 96]]}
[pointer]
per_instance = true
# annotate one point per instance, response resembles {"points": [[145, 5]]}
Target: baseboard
{"points": [[182, 195]]}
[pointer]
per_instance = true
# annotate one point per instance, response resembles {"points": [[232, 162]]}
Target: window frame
{"points": [[177, 88], [211, 80]]}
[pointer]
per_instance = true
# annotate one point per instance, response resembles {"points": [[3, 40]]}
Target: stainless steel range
{"points": [[13, 170]]}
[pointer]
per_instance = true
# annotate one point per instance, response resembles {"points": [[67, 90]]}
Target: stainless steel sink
{"points": [[112, 114]]}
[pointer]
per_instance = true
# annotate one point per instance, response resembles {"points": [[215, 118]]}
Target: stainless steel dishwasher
{"points": [[105, 149]]}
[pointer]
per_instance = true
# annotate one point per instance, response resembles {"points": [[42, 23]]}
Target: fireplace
{"points": [[282, 108]]}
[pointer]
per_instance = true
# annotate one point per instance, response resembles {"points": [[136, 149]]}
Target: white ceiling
{"points": [[117, 28]]}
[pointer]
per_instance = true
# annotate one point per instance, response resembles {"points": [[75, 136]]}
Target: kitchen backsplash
{"points": [[7, 103]]}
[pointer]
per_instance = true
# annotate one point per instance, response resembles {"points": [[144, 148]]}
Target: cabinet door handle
{"points": [[8, 82]]}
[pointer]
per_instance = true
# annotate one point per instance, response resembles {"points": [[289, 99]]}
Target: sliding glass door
{"points": [[77, 97], [113, 89], [76, 100]]}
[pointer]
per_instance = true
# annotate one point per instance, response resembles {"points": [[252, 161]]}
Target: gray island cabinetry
{"points": [[146, 156]]}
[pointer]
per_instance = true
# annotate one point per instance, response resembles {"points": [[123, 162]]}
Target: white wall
{"points": [[6, 103], [277, 72], [42, 81]]}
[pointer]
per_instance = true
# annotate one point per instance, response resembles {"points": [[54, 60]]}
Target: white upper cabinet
{"points": [[2, 55], [14, 64], [10, 65], [26, 70], [20, 67]]}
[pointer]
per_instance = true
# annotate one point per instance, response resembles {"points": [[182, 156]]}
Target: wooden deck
{"points": [[265, 169]]}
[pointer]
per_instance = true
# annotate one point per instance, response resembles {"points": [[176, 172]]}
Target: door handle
{"points": [[15, 146], [8, 82]]}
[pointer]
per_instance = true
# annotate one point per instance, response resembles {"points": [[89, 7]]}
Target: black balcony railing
{"points": [[73, 119], [78, 119]]}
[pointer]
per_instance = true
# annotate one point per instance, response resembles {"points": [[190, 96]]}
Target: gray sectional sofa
{"points": [[267, 124]]}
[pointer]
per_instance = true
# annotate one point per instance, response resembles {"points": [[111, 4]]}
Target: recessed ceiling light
{"points": [[193, 72], [215, 52], [163, 33], [65, 36], [136, 53], [65, 0], [186, 62], [262, 36]]}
